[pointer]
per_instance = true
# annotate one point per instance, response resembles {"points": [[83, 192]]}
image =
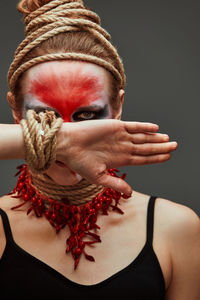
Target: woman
{"points": [[33, 259]]}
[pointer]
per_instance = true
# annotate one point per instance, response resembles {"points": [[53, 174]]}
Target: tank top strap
{"points": [[6, 225], [150, 219]]}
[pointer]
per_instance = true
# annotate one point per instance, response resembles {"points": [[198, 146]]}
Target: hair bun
{"points": [[29, 6]]}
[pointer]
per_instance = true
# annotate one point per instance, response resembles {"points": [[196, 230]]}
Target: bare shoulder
{"points": [[6, 202], [172, 212], [180, 219], [181, 226], [177, 223]]}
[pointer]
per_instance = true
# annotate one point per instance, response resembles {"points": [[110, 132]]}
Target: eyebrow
{"points": [[83, 108]]}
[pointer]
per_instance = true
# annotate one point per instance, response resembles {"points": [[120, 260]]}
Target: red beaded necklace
{"points": [[80, 219]]}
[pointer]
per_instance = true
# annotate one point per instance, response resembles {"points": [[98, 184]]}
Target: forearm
{"points": [[11, 142]]}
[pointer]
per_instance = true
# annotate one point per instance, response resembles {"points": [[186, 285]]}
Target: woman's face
{"points": [[77, 91]]}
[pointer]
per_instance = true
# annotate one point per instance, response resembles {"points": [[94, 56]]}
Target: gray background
{"points": [[159, 44]]}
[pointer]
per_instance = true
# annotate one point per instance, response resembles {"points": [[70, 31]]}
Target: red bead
{"points": [[33, 199], [23, 191], [53, 217], [98, 206], [92, 211], [82, 234], [76, 227], [20, 185], [107, 192], [78, 251], [47, 214], [40, 202], [81, 244], [26, 197]]}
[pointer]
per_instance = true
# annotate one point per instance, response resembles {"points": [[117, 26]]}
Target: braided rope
{"points": [[60, 28], [53, 13], [58, 56], [50, 6], [79, 193], [66, 21]]}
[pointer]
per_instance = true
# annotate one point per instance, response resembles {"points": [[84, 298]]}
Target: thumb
{"points": [[115, 183]]}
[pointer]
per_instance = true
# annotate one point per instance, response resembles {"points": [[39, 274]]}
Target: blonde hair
{"points": [[63, 29]]}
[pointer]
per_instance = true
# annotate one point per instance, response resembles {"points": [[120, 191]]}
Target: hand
{"points": [[91, 147]]}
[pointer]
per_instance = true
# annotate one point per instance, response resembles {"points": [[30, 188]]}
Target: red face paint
{"points": [[66, 92]]}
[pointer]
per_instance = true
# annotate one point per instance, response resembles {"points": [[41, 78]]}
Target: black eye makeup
{"points": [[91, 114], [38, 109], [82, 113]]}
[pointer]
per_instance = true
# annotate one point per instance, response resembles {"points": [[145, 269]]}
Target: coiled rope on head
{"points": [[63, 16], [39, 131]]}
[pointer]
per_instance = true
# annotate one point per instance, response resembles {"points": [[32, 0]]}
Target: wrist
{"points": [[63, 141]]}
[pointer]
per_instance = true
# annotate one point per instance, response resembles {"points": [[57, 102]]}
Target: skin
{"points": [[176, 228], [66, 87]]}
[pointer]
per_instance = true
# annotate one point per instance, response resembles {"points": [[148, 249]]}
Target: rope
{"points": [[40, 152], [62, 16]]}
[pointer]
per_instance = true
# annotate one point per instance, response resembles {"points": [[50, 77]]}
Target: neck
{"points": [[76, 194]]}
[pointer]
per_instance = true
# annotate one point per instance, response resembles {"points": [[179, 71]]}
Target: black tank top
{"points": [[24, 276]]}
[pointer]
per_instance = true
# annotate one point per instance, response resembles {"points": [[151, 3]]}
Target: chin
{"points": [[62, 175]]}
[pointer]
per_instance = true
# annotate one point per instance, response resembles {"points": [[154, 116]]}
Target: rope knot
{"points": [[39, 131]]}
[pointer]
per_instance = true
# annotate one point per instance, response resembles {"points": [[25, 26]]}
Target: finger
{"points": [[147, 149], [140, 138], [147, 160], [132, 127], [115, 183]]}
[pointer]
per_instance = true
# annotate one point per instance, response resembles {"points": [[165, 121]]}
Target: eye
{"points": [[85, 115], [39, 109]]}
